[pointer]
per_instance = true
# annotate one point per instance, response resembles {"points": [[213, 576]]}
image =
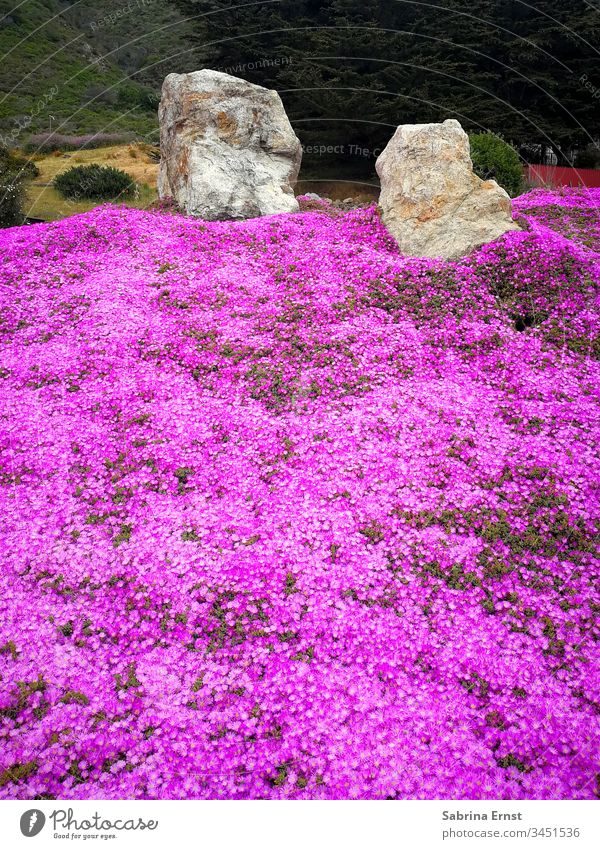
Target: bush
{"points": [[495, 159], [94, 181], [13, 171], [49, 142], [11, 201]]}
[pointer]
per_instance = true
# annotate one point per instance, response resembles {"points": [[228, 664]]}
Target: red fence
{"points": [[554, 176]]}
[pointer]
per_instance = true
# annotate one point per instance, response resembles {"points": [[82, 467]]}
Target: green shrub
{"points": [[11, 201], [94, 181], [495, 159], [13, 171]]}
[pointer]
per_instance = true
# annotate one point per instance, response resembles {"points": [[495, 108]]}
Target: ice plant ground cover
{"points": [[289, 515]]}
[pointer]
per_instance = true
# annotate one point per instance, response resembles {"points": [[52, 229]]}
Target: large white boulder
{"points": [[431, 201], [227, 147]]}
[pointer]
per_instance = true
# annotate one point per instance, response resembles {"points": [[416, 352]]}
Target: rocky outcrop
{"points": [[431, 201], [228, 150]]}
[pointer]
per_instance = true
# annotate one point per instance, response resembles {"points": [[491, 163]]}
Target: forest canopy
{"points": [[349, 71]]}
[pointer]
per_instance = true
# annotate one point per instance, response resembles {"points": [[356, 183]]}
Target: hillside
{"points": [[289, 515], [92, 68]]}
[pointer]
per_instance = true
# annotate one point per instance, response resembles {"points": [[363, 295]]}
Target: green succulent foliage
{"points": [[495, 159], [94, 181]]}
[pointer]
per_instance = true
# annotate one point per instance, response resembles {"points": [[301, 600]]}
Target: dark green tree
{"points": [[349, 71]]}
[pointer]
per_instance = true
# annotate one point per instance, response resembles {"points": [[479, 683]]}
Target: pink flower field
{"points": [[289, 515]]}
